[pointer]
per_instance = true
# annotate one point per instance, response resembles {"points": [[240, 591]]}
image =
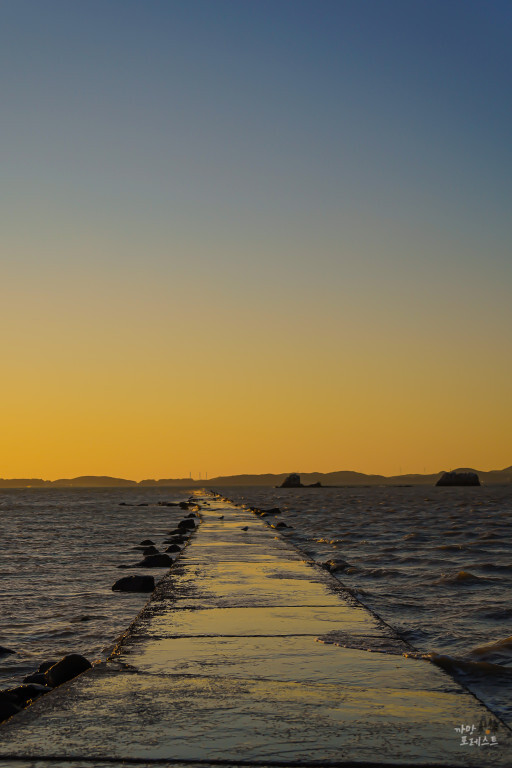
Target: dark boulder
{"points": [[333, 566], [134, 584], [280, 525], [458, 479], [150, 551], [45, 666], [292, 481], [173, 548], [167, 503], [176, 532], [156, 561], [269, 512], [24, 694], [66, 669], [8, 706], [188, 523], [5, 651], [35, 677], [146, 543], [314, 485], [184, 504]]}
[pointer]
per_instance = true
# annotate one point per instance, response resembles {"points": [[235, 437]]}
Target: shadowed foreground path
{"points": [[248, 654]]}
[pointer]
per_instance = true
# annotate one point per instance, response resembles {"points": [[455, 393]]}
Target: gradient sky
{"points": [[255, 236]]}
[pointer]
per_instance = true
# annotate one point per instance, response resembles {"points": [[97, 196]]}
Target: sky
{"points": [[255, 236]]}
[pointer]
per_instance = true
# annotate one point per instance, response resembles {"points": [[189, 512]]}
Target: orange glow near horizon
{"points": [[155, 391]]}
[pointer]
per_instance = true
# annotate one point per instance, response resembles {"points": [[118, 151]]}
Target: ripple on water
{"points": [[462, 578]]}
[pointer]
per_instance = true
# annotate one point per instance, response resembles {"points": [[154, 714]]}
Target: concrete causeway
{"points": [[250, 654]]}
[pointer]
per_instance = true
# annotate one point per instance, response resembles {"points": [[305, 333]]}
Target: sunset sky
{"points": [[255, 236]]}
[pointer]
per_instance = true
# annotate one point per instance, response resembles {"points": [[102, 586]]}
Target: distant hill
{"points": [[325, 478], [496, 476], [343, 478], [180, 482], [24, 482], [93, 481]]}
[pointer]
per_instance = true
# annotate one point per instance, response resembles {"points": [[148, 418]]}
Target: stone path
{"points": [[249, 654]]}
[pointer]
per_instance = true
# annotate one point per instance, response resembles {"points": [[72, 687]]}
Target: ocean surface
{"points": [[60, 555], [434, 563]]}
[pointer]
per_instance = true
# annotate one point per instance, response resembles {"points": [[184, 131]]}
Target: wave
{"points": [[492, 659], [494, 567], [498, 614], [463, 666], [497, 652], [379, 573], [462, 577]]}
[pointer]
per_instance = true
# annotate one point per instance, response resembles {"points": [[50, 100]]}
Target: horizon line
{"points": [[28, 481]]}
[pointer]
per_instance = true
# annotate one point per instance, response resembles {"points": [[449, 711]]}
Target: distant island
{"points": [[325, 479], [459, 479]]}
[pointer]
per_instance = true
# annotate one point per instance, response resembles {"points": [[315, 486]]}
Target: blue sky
{"points": [[273, 114]]}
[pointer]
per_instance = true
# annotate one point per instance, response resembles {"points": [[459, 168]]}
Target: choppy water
{"points": [[60, 553], [434, 563]]}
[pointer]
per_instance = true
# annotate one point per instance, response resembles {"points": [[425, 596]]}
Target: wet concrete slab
{"points": [[250, 592], [248, 654], [286, 659], [283, 621], [276, 583], [150, 717], [249, 538], [214, 552], [252, 572], [107, 763], [94, 763]]}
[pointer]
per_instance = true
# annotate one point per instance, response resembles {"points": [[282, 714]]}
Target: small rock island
{"points": [[293, 481], [458, 478]]}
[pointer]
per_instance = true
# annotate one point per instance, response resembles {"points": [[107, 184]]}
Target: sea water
{"points": [[60, 555], [434, 563]]}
